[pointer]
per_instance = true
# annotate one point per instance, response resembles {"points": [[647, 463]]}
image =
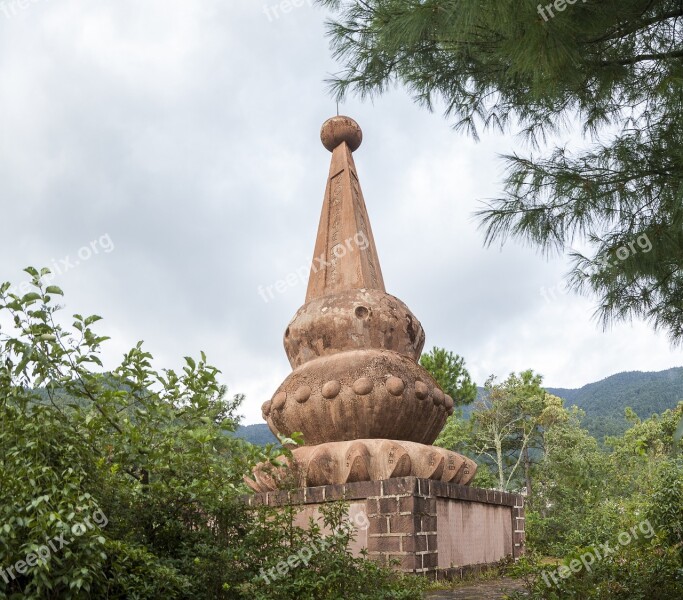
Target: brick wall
{"points": [[403, 521]]}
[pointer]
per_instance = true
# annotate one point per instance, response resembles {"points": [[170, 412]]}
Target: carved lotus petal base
{"points": [[364, 460]]}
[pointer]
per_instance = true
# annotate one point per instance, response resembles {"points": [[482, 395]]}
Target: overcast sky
{"points": [[178, 143]]}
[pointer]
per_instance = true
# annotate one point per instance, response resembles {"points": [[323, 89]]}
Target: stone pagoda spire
{"points": [[344, 221], [366, 408]]}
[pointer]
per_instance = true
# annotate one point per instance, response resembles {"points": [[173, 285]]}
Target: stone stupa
{"points": [[366, 408]]}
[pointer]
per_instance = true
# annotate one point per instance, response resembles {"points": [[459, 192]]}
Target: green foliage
{"points": [[612, 65], [508, 423], [457, 434], [642, 570], [449, 371], [570, 507], [134, 475], [666, 508], [309, 565], [485, 477], [588, 497]]}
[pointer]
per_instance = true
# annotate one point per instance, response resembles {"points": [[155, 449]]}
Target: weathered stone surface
{"points": [[338, 463], [366, 408], [345, 256], [431, 527], [341, 129], [353, 320]]}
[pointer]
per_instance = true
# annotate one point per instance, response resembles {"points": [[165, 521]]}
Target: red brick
{"points": [[416, 504], [279, 498], [407, 562], [258, 500], [315, 495], [430, 560], [377, 525], [388, 505], [408, 504], [439, 488], [428, 524], [296, 497], [371, 506], [400, 486], [424, 487], [363, 489], [414, 543], [384, 543], [381, 559], [334, 492], [404, 524]]}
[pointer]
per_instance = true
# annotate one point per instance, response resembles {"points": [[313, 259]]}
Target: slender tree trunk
{"points": [[527, 470], [499, 462]]}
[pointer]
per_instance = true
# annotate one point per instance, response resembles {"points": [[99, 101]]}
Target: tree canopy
{"points": [[614, 67], [450, 373]]}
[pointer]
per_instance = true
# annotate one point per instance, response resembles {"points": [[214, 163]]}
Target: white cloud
{"points": [[189, 133]]}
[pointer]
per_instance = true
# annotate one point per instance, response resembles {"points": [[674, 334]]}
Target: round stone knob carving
{"points": [[421, 390], [341, 129], [363, 386], [395, 386], [331, 389], [279, 400], [302, 394], [438, 397]]}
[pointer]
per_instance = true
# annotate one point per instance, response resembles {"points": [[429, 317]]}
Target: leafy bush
{"points": [[645, 570], [310, 565], [666, 506], [131, 473]]}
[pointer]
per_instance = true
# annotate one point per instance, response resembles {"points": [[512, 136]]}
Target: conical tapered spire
{"points": [[366, 408], [345, 255]]}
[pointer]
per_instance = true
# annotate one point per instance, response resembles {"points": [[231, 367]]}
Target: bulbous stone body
{"points": [[353, 320], [359, 394]]}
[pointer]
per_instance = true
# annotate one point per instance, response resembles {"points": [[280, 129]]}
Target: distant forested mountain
{"points": [[604, 402], [258, 434]]}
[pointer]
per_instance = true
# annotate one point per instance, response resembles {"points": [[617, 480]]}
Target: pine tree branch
{"points": [[620, 34], [639, 58]]}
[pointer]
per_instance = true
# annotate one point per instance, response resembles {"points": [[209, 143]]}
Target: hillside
{"points": [[646, 393], [603, 402], [257, 434]]}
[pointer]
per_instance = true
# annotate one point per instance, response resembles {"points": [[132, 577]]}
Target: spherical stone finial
{"points": [[341, 129]]}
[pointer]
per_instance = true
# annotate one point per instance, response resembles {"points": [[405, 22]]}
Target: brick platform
{"points": [[428, 526]]}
